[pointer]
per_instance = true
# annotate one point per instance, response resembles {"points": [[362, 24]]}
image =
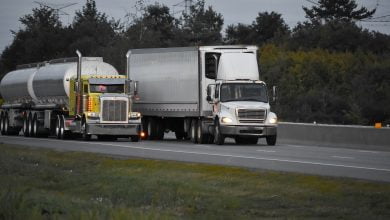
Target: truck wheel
{"points": [[202, 137], [30, 125], [151, 129], [6, 124], [58, 127], [34, 126], [25, 126], [219, 139], [271, 140], [2, 123], [193, 131]]}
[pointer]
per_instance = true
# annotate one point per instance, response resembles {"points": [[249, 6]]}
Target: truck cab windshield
{"points": [[243, 92], [104, 88]]}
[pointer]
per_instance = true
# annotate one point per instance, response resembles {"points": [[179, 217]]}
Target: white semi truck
{"points": [[67, 98], [202, 93]]}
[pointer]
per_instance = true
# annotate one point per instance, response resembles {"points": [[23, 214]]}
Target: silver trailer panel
{"points": [[168, 81]]}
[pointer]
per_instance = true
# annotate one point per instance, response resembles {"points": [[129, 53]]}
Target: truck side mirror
{"points": [[135, 87], [212, 65], [132, 87], [210, 90], [274, 93]]}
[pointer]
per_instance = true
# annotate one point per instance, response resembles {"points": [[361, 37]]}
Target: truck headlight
{"points": [[134, 115], [273, 120], [226, 120]]}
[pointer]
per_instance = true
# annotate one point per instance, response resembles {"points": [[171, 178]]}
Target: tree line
{"points": [[327, 68]]}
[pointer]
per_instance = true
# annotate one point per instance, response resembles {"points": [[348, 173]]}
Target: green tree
{"points": [[267, 27], [338, 36], [92, 31], [202, 26], [155, 28], [337, 10], [328, 87], [42, 37], [240, 34]]}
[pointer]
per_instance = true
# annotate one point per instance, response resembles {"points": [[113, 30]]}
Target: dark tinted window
{"points": [[243, 92], [102, 88]]}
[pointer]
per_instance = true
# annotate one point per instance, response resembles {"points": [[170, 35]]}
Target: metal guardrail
{"points": [[350, 136]]}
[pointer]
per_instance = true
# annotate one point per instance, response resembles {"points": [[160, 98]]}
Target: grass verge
{"points": [[37, 183]]}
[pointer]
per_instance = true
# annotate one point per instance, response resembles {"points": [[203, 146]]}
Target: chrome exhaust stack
{"points": [[78, 83]]}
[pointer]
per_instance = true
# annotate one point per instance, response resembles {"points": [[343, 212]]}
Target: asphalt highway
{"points": [[324, 161]]}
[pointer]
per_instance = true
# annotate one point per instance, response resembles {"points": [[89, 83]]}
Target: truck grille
{"points": [[114, 111], [251, 115]]}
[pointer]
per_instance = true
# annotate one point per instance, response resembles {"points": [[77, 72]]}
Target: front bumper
{"points": [[114, 129], [259, 131]]}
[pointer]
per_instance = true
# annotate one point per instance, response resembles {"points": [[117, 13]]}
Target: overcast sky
{"points": [[233, 11]]}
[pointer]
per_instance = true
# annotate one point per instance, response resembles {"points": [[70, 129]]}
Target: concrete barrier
{"points": [[361, 137]]}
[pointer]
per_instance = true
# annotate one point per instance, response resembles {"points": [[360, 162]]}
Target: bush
{"points": [[328, 87]]}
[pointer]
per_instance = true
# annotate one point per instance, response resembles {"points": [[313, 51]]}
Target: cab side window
{"points": [[211, 65], [85, 90]]}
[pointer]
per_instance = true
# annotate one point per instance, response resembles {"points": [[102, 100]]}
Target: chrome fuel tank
{"points": [[49, 84], [16, 86]]}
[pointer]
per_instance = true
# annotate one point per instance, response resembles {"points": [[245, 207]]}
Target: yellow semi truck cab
{"points": [[105, 106]]}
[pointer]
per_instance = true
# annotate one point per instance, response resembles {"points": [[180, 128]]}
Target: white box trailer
{"points": [[182, 90]]}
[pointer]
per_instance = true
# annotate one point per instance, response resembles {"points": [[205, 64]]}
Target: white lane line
{"points": [[201, 145], [267, 151], [214, 154], [368, 151], [340, 157], [296, 146]]}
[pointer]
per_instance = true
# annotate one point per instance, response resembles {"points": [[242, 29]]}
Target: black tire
{"points": [[58, 127], [25, 127], [34, 126], [134, 138], [151, 129], [8, 130], [219, 138], [271, 140], [193, 131], [30, 125], [2, 123], [6, 125], [202, 137]]}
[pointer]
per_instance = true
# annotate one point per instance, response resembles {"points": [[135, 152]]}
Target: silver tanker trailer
{"points": [[69, 97]]}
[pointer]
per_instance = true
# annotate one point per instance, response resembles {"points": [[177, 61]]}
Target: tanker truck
{"points": [[69, 98], [204, 93]]}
